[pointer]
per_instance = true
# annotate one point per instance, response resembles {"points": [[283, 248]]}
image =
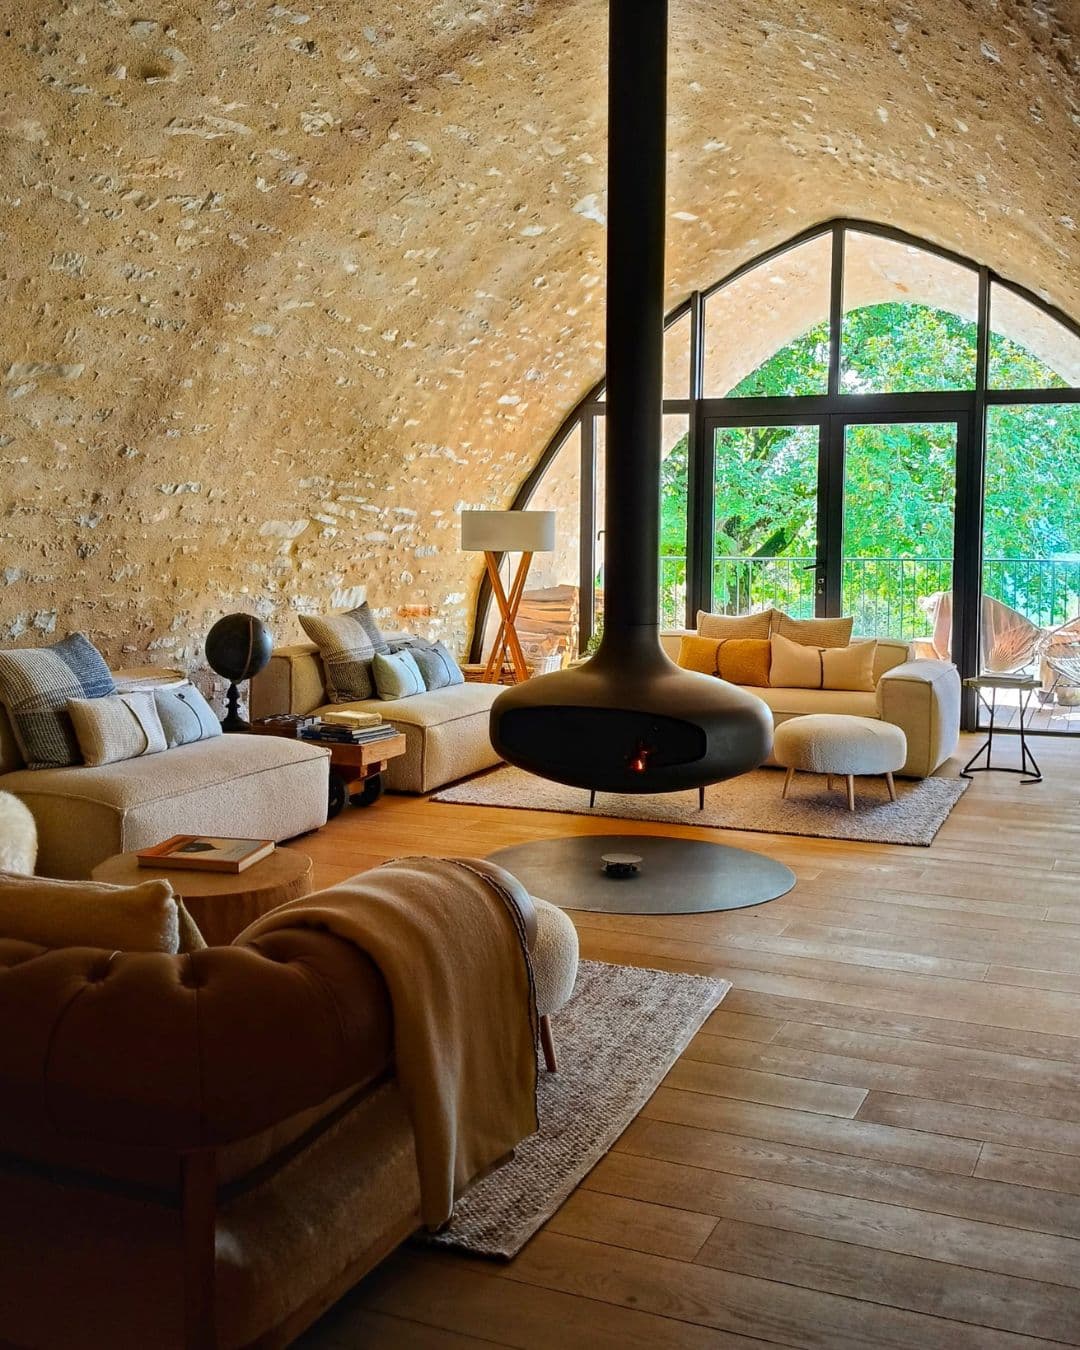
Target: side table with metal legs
{"points": [[1025, 688]]}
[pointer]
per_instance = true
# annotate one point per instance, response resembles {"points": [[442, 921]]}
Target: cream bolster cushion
{"points": [[142, 918], [118, 726], [796, 666]]}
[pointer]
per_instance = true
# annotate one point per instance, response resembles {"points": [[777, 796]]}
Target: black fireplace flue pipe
{"points": [[636, 210]]}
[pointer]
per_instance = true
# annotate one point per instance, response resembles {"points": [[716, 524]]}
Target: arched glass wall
{"points": [[857, 422]]}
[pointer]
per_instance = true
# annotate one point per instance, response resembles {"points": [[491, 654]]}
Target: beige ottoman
{"points": [[832, 743], [555, 963]]}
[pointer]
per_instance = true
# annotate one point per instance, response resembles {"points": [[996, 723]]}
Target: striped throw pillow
{"points": [[35, 686], [347, 643]]}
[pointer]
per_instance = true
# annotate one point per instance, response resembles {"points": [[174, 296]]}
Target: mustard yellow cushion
{"points": [[734, 625], [737, 660], [795, 665], [144, 918], [813, 632]]}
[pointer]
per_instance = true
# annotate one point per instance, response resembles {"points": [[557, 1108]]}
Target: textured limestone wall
{"points": [[286, 286]]}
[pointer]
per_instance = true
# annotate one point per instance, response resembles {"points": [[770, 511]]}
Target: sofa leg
{"points": [[547, 1042], [787, 783], [851, 792]]}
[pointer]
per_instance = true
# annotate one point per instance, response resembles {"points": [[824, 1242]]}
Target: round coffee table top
{"points": [[280, 870], [221, 903]]}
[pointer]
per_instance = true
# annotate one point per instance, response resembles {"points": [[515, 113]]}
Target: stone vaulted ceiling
{"points": [[285, 286]]}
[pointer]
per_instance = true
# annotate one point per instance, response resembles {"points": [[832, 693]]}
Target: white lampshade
{"points": [[507, 531]]}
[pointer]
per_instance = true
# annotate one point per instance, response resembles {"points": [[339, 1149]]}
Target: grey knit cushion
{"points": [[396, 674], [35, 685], [346, 643]]}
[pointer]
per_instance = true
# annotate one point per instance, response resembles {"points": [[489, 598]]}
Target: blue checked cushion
{"points": [[347, 643], [35, 685], [437, 666]]}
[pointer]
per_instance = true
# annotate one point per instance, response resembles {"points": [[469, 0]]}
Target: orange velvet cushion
{"points": [[737, 660]]}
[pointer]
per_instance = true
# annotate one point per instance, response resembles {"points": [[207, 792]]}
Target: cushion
{"points": [[347, 644], [119, 726], [185, 716], [35, 685], [737, 660], [813, 632], [734, 625], [140, 918], [396, 674], [798, 666], [437, 666]]}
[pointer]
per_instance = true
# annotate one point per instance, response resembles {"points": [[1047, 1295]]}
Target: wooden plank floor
{"points": [[874, 1141]]}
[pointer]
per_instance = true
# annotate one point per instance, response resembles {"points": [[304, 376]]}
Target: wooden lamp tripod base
{"points": [[507, 648]]}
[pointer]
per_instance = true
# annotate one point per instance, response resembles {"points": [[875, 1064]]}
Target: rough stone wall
{"points": [[286, 286]]}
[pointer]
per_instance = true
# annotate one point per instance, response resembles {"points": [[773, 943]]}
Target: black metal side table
{"points": [[1025, 687]]}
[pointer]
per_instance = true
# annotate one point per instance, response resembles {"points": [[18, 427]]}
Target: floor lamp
{"points": [[494, 533]]}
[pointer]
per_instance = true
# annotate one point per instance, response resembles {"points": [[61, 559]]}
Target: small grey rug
{"points": [[616, 1039], [750, 802]]}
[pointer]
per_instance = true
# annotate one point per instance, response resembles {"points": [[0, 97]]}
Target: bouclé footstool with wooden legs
{"points": [[836, 744], [555, 963]]}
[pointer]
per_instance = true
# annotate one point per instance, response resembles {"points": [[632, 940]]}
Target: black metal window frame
{"points": [[831, 412]]}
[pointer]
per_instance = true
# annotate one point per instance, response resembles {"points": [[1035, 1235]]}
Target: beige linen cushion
{"points": [[734, 625], [143, 918], [813, 632], [119, 726], [797, 666]]}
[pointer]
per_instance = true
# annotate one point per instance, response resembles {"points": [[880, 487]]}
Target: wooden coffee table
{"points": [[355, 770], [221, 903]]}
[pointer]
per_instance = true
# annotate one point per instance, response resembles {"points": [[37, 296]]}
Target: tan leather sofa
{"points": [[254, 787], [446, 730], [196, 1151], [920, 697]]}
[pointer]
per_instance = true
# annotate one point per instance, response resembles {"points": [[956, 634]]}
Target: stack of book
{"points": [[349, 728]]}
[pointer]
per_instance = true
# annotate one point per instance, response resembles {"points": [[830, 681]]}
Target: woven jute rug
{"points": [[618, 1036], [750, 802]]}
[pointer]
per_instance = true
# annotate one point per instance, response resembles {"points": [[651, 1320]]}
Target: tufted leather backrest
{"points": [[104, 1050], [101, 1051]]}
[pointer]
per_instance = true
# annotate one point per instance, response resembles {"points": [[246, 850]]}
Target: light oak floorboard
{"points": [[874, 1141]]}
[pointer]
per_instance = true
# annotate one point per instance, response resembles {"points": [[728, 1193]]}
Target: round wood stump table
{"points": [[221, 903]]}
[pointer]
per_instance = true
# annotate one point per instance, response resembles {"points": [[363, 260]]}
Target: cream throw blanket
{"points": [[450, 944]]}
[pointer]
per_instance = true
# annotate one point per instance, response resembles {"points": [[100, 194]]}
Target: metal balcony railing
{"points": [[882, 593]]}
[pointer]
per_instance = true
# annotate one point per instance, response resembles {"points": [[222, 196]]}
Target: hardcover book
{"points": [[205, 853]]}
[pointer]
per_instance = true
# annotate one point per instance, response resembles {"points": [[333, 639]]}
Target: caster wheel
{"points": [[370, 792], [337, 797]]}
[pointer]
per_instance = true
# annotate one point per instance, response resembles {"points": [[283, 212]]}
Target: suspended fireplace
{"points": [[630, 720]]}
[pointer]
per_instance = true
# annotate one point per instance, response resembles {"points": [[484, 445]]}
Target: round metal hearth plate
{"points": [[675, 876]]}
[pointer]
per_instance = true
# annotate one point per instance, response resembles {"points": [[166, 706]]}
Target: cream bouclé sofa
{"points": [[920, 697], [257, 787], [446, 730]]}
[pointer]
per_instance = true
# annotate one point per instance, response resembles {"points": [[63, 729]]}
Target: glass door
{"points": [[765, 528], [898, 528], [1031, 562]]}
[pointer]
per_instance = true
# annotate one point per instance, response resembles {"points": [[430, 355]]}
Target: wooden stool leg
{"points": [[547, 1042], [851, 792], [828, 781], [787, 782], [892, 787]]}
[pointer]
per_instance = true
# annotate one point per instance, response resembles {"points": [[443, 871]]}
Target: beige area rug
{"points": [[751, 802], [617, 1038]]}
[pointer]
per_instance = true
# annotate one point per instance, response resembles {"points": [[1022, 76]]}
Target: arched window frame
{"points": [[970, 405]]}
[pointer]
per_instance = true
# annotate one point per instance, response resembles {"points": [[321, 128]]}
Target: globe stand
{"points": [[232, 721]]}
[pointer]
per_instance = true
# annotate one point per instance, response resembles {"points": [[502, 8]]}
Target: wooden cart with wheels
{"points": [[355, 770]]}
